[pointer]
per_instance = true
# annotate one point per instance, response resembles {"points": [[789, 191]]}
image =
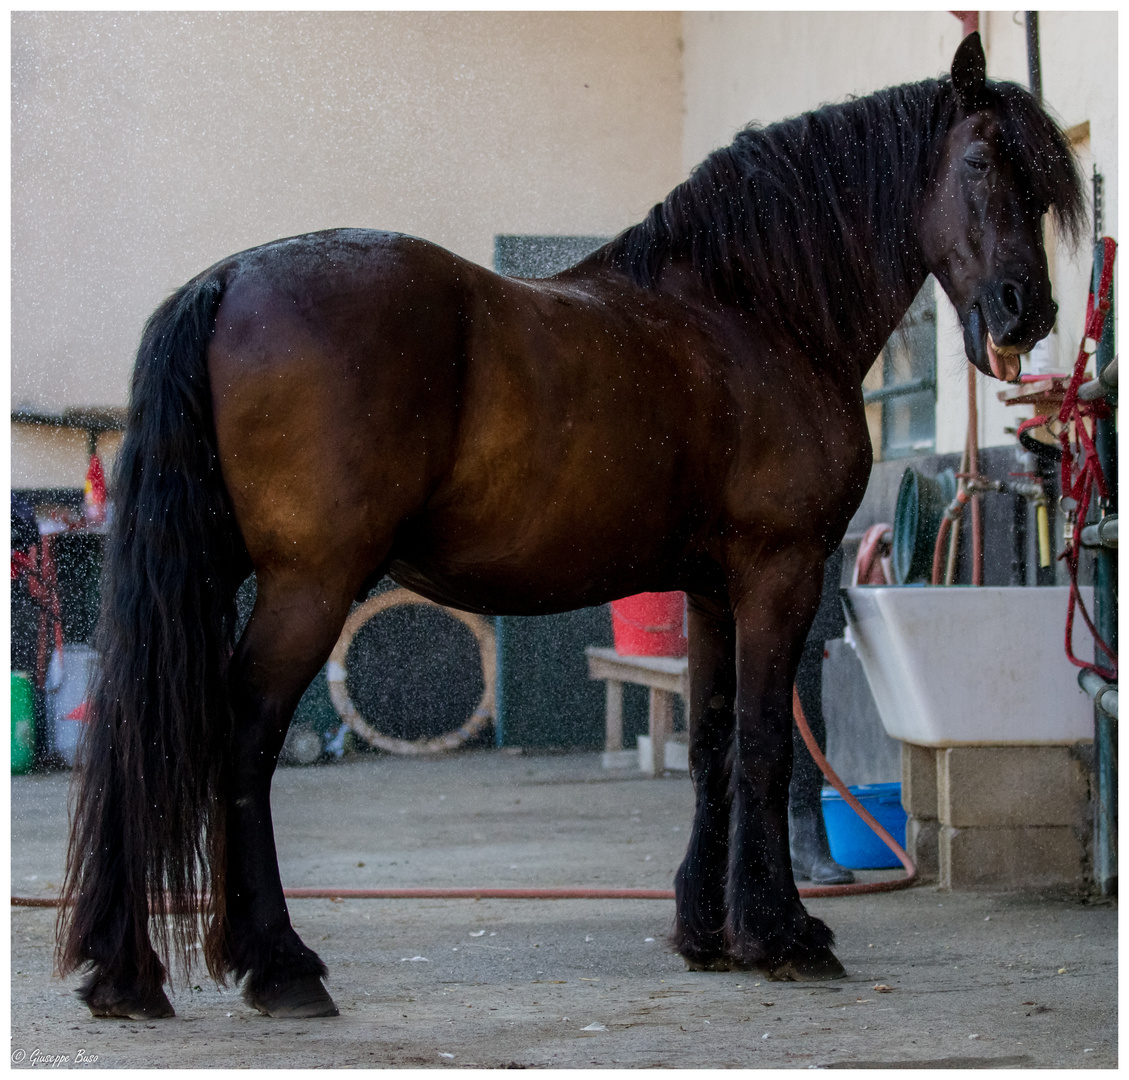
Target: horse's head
{"points": [[1003, 164]]}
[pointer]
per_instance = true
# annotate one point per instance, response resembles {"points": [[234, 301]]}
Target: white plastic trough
{"points": [[962, 666]]}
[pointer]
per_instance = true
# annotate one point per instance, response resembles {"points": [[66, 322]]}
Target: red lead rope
{"points": [[1079, 483]]}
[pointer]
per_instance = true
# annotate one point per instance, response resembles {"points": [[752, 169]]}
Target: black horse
{"points": [[681, 410]]}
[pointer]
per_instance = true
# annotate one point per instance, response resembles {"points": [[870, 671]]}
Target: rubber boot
{"points": [[807, 833], [811, 854]]}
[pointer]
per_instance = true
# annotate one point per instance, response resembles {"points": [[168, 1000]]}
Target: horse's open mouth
{"points": [[1001, 360], [1004, 361]]}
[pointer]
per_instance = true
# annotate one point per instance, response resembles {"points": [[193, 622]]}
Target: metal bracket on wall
{"points": [[92, 421]]}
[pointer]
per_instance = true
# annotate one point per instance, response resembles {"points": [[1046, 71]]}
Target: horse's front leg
{"points": [[767, 928], [290, 633], [699, 885]]}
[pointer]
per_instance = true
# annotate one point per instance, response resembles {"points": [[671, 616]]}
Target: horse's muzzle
{"points": [[1016, 315], [1005, 322]]}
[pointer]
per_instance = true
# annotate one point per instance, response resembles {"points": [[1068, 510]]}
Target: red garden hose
{"points": [[969, 470], [585, 893], [857, 887]]}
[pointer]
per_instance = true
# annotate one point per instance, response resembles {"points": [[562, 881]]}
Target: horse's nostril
{"points": [[1012, 301]]}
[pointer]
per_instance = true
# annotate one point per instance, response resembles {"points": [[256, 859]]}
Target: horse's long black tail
{"points": [[147, 830]]}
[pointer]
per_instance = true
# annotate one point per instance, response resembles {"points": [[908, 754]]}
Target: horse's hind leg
{"points": [[699, 885], [291, 632], [127, 976]]}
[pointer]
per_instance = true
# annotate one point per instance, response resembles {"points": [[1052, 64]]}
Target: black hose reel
{"points": [[917, 517]]}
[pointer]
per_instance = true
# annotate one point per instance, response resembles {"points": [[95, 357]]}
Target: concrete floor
{"points": [[975, 981]]}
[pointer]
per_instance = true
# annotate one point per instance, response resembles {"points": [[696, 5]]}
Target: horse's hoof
{"points": [[818, 965], [297, 999], [713, 963], [106, 1003]]}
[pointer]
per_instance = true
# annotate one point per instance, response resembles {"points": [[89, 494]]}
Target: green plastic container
{"points": [[23, 722]]}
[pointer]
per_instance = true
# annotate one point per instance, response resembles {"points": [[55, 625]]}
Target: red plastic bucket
{"points": [[649, 624]]}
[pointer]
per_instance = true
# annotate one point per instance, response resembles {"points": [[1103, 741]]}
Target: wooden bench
{"points": [[664, 676]]}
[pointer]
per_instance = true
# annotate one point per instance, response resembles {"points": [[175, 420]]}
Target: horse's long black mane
{"points": [[797, 220]]}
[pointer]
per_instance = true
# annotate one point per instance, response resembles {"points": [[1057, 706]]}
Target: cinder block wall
{"points": [[1001, 817]]}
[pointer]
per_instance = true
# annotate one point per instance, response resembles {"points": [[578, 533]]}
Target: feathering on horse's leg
{"points": [[106, 929], [699, 885], [292, 630], [126, 976], [767, 926]]}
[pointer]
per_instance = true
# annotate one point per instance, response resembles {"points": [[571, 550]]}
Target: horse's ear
{"points": [[968, 71]]}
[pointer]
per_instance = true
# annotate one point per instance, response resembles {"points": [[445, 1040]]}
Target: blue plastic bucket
{"points": [[853, 844]]}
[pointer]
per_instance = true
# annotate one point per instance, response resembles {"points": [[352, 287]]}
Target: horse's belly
{"points": [[493, 573], [471, 592]]}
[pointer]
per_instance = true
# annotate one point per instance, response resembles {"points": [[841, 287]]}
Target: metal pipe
{"points": [[1103, 693], [1101, 535], [1034, 66], [1105, 618], [899, 390], [969, 20], [1105, 385]]}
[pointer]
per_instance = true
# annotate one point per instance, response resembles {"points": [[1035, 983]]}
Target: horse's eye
{"points": [[977, 164]]}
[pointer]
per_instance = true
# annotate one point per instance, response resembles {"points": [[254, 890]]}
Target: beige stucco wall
{"points": [[762, 66], [147, 146], [765, 66]]}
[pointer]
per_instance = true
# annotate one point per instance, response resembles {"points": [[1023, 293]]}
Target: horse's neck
{"points": [[875, 298], [881, 287], [846, 337], [887, 316], [884, 298], [846, 365]]}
